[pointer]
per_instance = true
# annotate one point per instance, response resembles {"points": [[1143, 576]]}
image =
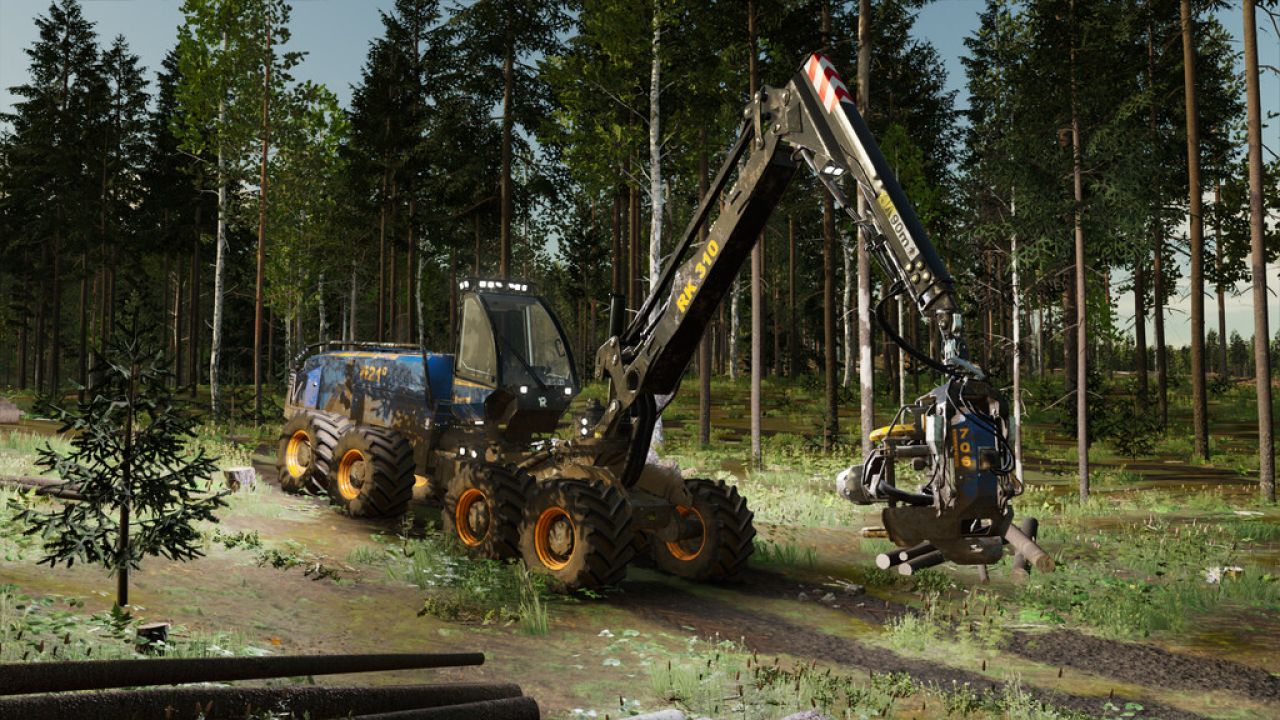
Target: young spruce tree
{"points": [[130, 461]]}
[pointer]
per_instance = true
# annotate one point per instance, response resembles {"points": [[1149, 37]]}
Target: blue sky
{"points": [[336, 33]]}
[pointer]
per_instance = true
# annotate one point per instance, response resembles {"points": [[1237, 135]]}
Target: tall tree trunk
{"points": [[655, 169], [508, 83], [848, 318], [412, 275], [757, 273], [831, 416], [193, 305], [83, 354], [793, 329], [775, 321], [1219, 287], [704, 346], [1016, 290], [1140, 326], [352, 307], [42, 312], [123, 554], [1257, 262], [1069, 336], [866, 367], [1157, 321], [219, 267], [1157, 252], [262, 231], [177, 322], [735, 319], [393, 264], [322, 321], [633, 218], [1199, 400], [24, 331], [380, 326], [55, 326], [1082, 304]]}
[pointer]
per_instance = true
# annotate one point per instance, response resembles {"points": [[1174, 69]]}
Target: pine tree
{"points": [[493, 42], [48, 151], [130, 463]]}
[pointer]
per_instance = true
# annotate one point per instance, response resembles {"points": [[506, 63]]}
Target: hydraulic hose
{"points": [[894, 291]]}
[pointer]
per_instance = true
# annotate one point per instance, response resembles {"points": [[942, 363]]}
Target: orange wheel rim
{"points": [[347, 488], [473, 506], [293, 452], [553, 538], [682, 549]]}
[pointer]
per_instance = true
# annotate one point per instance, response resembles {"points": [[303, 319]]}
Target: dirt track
{"points": [[666, 604], [770, 634], [1145, 664]]}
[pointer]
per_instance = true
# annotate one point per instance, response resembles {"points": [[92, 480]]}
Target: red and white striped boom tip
{"points": [[825, 79]]}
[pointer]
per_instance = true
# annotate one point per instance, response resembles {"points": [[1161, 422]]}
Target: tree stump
{"points": [[9, 413], [241, 479], [152, 638]]}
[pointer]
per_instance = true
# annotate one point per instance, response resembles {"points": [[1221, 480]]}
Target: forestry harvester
{"points": [[372, 424]]}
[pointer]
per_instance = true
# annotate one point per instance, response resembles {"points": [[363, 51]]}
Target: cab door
{"points": [[475, 369]]}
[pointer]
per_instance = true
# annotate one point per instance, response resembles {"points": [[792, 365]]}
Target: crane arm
{"points": [[956, 434], [810, 121]]}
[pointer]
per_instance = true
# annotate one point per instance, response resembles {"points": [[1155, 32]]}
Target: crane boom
{"points": [[956, 432]]}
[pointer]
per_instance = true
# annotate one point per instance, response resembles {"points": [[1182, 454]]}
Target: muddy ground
{"points": [[601, 652]]}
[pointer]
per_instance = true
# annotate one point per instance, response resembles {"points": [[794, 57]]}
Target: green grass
{"points": [[718, 678], [466, 589], [1148, 578], [53, 628], [769, 552]]}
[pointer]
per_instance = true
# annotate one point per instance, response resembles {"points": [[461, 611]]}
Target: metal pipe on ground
{"points": [[518, 708], [224, 703], [920, 562], [1025, 546], [20, 678], [884, 561]]}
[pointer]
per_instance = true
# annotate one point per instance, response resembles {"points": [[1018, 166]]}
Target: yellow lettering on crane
{"points": [[701, 269], [686, 296]]}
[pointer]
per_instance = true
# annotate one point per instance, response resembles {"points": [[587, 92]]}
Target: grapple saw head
{"points": [[956, 437]]}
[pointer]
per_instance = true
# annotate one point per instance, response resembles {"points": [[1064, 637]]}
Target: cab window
{"points": [[477, 355], [532, 348]]}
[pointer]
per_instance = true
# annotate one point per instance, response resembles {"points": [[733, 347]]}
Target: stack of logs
{"points": [[1027, 553], [88, 689]]}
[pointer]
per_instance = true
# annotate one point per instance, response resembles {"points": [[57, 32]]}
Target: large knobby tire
{"points": [[305, 453], [578, 532], [483, 506], [373, 472], [727, 539]]}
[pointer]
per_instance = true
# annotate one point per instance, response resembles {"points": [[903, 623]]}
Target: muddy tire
{"points": [[483, 507], [372, 475], [304, 458], [727, 540], [578, 532]]}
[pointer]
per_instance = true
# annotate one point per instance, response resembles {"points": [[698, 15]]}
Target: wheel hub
{"points": [[554, 538], [478, 518], [693, 534], [298, 454], [560, 537], [353, 473], [471, 517], [360, 473]]}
